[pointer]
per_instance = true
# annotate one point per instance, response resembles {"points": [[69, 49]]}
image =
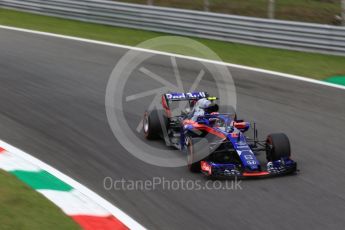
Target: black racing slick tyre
{"points": [[152, 125], [197, 150], [277, 147]]}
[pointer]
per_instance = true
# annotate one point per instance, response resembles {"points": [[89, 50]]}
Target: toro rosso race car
{"points": [[214, 139]]}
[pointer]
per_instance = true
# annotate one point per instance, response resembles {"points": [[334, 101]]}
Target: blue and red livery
{"points": [[215, 143]]}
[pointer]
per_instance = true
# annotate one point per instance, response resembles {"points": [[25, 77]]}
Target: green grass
{"points": [[319, 11], [23, 208], [316, 66]]}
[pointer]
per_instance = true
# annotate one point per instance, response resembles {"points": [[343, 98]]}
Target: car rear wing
{"points": [[175, 96]]}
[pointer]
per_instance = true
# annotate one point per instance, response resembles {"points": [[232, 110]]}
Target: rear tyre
{"points": [[152, 124], [197, 150], [277, 147]]}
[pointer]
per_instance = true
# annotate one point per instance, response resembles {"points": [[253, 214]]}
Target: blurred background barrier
{"points": [[316, 11], [248, 30]]}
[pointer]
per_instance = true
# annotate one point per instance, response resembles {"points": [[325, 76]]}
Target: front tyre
{"points": [[277, 147]]}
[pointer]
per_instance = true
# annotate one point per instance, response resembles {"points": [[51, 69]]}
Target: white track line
{"points": [[290, 76], [120, 215]]}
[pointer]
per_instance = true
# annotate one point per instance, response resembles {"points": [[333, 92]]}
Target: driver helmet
{"points": [[203, 103]]}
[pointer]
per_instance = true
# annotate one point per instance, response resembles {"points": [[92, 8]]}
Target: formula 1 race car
{"points": [[214, 142]]}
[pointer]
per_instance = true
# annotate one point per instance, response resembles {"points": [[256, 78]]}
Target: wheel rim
{"points": [[146, 124]]}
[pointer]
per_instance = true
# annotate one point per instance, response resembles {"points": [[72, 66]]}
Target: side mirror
{"points": [[242, 126]]}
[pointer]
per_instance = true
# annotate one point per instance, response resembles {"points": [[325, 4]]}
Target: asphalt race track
{"points": [[52, 94]]}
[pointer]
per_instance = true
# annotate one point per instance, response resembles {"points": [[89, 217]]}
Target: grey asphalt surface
{"points": [[52, 106]]}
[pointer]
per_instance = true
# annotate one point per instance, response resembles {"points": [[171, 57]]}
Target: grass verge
{"points": [[317, 66], [23, 208]]}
